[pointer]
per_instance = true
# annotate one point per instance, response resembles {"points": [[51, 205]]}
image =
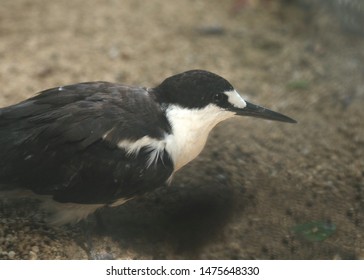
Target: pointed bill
{"points": [[256, 111]]}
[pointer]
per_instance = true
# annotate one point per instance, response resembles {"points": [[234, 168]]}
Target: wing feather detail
{"points": [[77, 143]]}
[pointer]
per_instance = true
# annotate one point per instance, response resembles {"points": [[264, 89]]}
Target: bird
{"points": [[90, 145]]}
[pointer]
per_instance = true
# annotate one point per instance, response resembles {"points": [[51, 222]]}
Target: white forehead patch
{"points": [[235, 99]]}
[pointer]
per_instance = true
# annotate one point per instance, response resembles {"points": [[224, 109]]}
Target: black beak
{"points": [[256, 111]]}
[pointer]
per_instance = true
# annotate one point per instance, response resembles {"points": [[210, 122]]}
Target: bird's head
{"points": [[199, 89]]}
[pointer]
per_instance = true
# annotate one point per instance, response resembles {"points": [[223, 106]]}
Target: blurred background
{"points": [[259, 190]]}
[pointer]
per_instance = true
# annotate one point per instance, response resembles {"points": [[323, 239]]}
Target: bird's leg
{"points": [[86, 242], [100, 223], [87, 245]]}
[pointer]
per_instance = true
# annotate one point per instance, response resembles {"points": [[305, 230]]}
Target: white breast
{"points": [[190, 129]]}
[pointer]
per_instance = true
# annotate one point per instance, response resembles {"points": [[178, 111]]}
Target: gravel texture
{"points": [[256, 181]]}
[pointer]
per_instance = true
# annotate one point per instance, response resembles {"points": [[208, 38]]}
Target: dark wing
{"points": [[63, 142]]}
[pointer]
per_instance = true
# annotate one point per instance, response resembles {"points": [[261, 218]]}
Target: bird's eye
{"points": [[218, 97]]}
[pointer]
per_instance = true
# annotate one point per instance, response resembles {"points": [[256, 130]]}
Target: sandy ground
{"points": [[259, 190]]}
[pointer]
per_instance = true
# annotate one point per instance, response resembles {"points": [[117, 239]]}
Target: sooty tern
{"points": [[93, 144]]}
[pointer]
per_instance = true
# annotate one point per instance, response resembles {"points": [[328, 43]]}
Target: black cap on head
{"points": [[199, 88], [192, 89]]}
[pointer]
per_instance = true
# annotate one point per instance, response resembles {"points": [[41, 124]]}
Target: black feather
{"points": [[63, 142]]}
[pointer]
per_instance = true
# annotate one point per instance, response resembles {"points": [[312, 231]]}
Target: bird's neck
{"points": [[190, 129]]}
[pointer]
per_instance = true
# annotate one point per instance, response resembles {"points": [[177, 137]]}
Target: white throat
{"points": [[190, 129]]}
